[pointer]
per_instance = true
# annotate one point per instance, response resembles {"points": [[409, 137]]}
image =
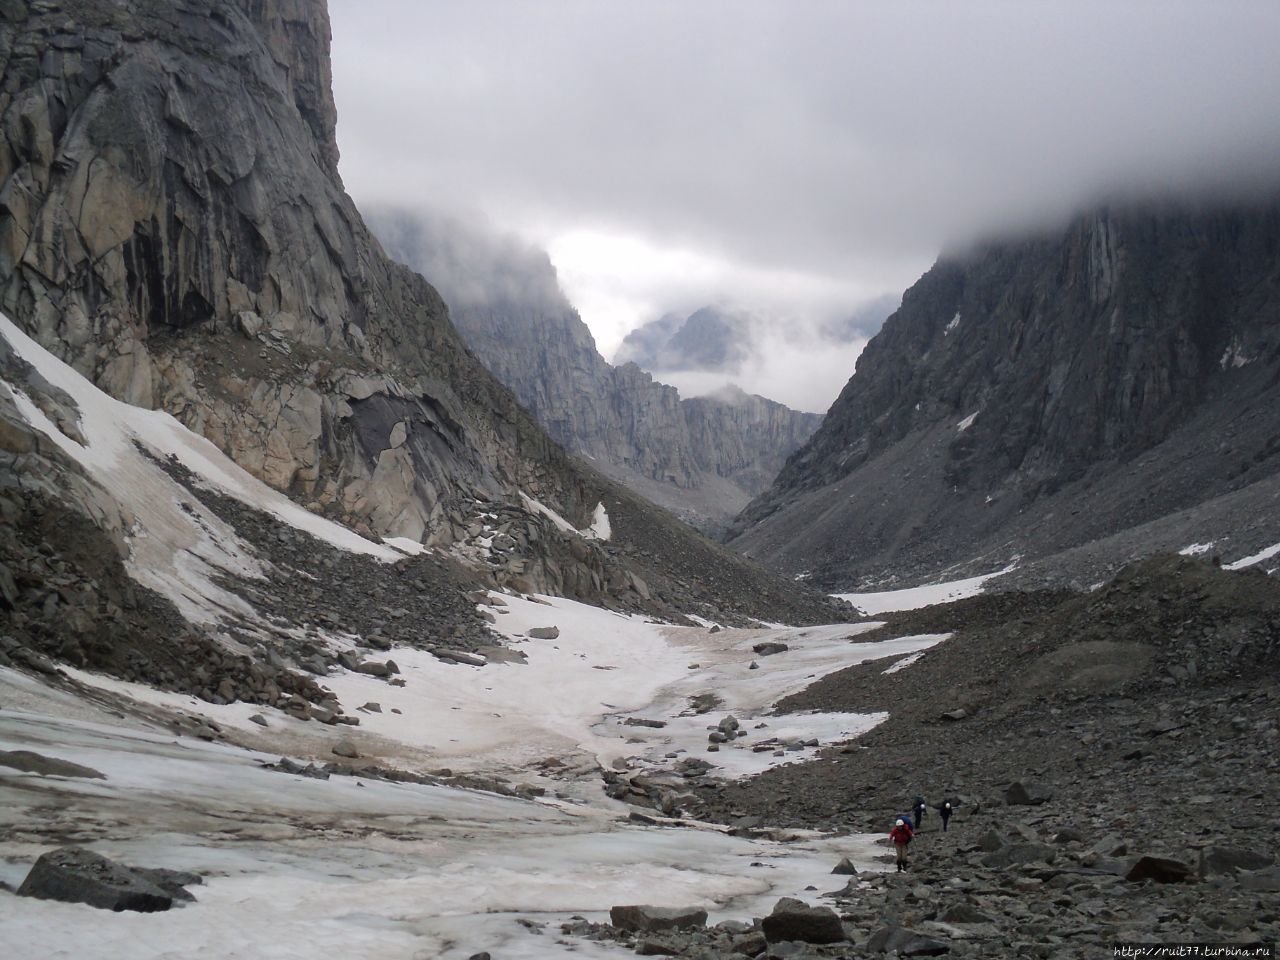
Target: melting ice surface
{"points": [[352, 867]]}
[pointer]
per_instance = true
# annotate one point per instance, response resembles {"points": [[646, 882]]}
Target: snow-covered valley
{"points": [[294, 866]]}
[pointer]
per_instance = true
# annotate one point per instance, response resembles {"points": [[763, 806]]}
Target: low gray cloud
{"points": [[673, 154], [825, 135]]}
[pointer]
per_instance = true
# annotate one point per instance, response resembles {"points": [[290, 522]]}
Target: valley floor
{"points": [[352, 865], [617, 760]]}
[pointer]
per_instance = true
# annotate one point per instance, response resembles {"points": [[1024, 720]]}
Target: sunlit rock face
{"points": [[175, 228], [1048, 391]]}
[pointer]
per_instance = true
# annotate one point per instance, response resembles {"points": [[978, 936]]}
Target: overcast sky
{"points": [[797, 157]]}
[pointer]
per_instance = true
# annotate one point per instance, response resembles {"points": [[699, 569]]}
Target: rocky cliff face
{"points": [[703, 458], [173, 227], [1043, 393]]}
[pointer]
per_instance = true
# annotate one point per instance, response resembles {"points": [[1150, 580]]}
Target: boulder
{"points": [[769, 648], [76, 875], [30, 762], [845, 868], [646, 919], [991, 841], [544, 633], [905, 943], [796, 920], [1216, 860], [462, 656], [964, 913], [1020, 853], [1023, 793], [1161, 870], [345, 748]]}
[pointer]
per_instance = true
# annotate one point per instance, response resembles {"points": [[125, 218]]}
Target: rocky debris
{"points": [[77, 604], [642, 722], [646, 919], [1050, 879], [544, 633], [31, 762], [460, 656], [77, 875], [796, 920]]}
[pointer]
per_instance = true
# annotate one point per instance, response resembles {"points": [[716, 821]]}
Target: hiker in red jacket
{"points": [[901, 835]]}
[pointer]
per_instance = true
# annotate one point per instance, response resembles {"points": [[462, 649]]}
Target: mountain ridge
{"points": [[1022, 375]]}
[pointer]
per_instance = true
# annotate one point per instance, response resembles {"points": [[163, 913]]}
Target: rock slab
{"points": [[76, 875], [647, 919], [796, 920]]}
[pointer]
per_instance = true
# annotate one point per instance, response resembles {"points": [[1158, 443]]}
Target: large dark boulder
{"points": [[1026, 794], [796, 920], [905, 943], [76, 875], [1161, 870], [1217, 860]]}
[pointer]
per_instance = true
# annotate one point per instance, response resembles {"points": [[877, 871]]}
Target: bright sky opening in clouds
{"points": [[670, 152]]}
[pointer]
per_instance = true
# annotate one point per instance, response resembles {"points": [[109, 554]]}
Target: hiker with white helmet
{"points": [[901, 835]]}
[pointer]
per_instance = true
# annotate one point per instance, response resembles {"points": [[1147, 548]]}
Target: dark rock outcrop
{"points": [[796, 920], [1039, 394], [76, 875]]}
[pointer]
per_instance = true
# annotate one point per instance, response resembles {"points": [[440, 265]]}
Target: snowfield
{"points": [[354, 867]]}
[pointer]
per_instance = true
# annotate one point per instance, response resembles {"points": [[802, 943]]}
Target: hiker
{"points": [[945, 809], [901, 835], [920, 809]]}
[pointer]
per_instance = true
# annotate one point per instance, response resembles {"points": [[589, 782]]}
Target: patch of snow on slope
{"points": [[176, 546], [405, 545], [913, 598], [951, 325], [903, 663], [598, 530], [967, 422], [1258, 557], [1195, 549]]}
